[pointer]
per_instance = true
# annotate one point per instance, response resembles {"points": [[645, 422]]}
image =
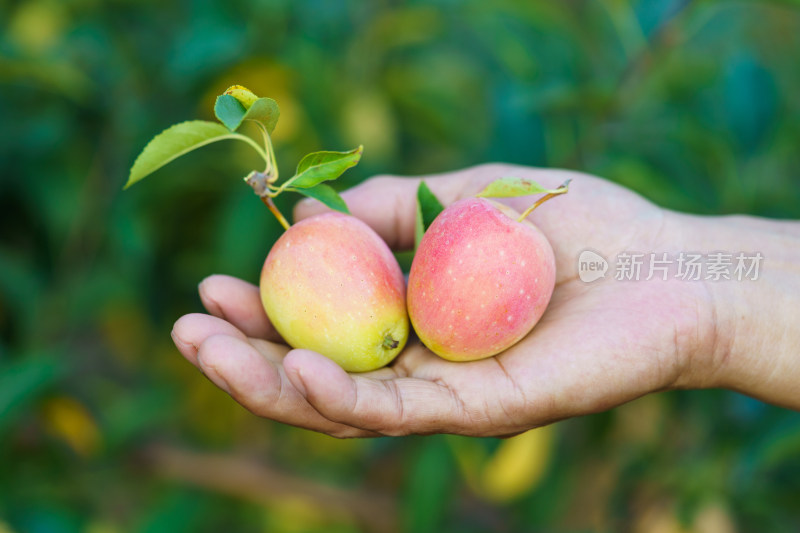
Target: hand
{"points": [[598, 344]]}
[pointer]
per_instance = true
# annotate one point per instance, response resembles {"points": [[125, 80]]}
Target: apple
{"points": [[330, 284], [481, 279]]}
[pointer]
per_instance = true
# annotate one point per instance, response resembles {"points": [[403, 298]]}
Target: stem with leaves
{"points": [[232, 109], [429, 207]]}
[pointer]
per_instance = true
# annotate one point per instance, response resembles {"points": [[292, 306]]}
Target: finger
{"points": [[261, 386], [239, 303], [390, 407], [191, 330]]}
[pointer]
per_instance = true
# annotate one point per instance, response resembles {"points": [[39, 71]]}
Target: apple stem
{"points": [[561, 190], [389, 343], [272, 207]]}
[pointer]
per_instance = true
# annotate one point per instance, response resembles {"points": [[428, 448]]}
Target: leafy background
{"points": [[104, 428]]}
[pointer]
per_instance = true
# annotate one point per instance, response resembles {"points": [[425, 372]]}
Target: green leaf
{"points": [[429, 492], [323, 166], [511, 187], [428, 208], [22, 382], [265, 111], [178, 140], [325, 194], [231, 112]]}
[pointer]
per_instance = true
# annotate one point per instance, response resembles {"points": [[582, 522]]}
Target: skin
{"points": [[330, 284], [597, 346], [480, 280]]}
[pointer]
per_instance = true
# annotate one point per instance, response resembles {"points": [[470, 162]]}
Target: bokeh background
{"points": [[104, 428]]}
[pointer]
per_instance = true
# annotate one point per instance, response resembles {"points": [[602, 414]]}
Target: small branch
{"points": [[262, 484], [272, 207], [260, 182]]}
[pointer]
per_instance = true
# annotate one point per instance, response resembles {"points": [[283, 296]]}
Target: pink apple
{"points": [[480, 280]]}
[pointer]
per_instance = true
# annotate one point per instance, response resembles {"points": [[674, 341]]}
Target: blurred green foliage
{"points": [[104, 428]]}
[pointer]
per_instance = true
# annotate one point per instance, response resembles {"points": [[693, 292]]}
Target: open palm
{"points": [[598, 344]]}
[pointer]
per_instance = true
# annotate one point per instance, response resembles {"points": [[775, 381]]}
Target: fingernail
{"points": [[204, 282], [180, 343], [216, 379], [208, 301]]}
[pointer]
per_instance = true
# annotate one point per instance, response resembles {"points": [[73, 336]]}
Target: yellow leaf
{"points": [[68, 420], [299, 515], [244, 95], [518, 465], [470, 457], [37, 26]]}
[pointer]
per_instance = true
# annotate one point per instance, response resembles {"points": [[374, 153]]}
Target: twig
{"points": [[262, 484]]}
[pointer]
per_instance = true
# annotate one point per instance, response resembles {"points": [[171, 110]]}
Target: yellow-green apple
{"points": [[330, 284], [480, 280]]}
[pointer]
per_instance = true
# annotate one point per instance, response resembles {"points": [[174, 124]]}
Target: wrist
{"points": [[751, 342]]}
